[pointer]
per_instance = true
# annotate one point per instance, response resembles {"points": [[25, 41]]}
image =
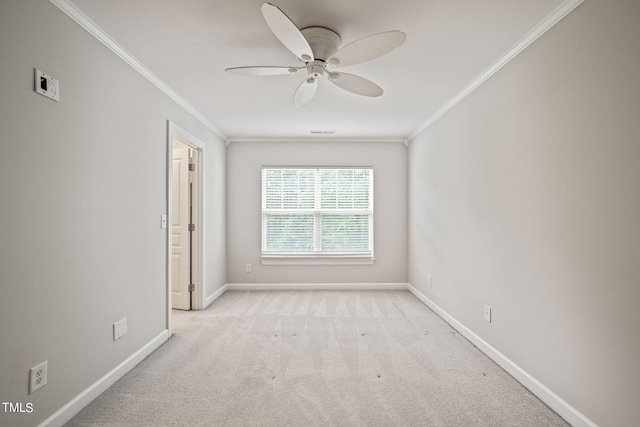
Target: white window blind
{"points": [[317, 212]]}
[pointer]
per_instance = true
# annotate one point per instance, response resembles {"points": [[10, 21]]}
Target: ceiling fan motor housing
{"points": [[323, 42]]}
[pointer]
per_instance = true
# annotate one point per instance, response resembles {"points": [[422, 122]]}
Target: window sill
{"points": [[316, 261]]}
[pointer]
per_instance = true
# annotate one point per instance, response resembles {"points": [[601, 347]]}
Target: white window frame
{"points": [[318, 257]]}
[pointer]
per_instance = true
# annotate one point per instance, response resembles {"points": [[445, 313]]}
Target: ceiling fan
{"points": [[318, 48]]}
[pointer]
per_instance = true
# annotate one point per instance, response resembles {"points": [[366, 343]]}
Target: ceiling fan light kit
{"points": [[319, 47]]}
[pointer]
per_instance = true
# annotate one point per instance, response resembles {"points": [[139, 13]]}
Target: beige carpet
{"points": [[316, 358]]}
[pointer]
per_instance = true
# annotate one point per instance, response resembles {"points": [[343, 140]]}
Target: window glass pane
{"points": [[272, 188], [288, 233], [345, 188], [361, 186], [289, 188], [345, 233], [339, 222]]}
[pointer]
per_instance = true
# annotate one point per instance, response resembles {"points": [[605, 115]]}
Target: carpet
{"points": [[316, 358]]}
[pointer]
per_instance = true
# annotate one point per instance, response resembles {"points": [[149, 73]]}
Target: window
{"points": [[317, 212]]}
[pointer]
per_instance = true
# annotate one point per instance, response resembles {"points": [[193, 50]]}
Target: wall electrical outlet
{"points": [[37, 377], [46, 85], [247, 268], [430, 280], [487, 313], [119, 328]]}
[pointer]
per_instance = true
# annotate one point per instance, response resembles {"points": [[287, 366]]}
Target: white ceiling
{"points": [[189, 43]]}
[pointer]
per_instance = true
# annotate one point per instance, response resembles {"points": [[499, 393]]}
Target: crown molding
{"points": [[87, 24], [92, 28], [313, 139], [547, 23]]}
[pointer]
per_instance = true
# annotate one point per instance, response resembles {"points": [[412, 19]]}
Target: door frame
{"points": [[175, 132]]}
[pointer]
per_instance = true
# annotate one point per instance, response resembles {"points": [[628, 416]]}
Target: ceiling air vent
{"points": [[322, 132]]}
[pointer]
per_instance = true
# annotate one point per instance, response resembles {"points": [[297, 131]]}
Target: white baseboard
{"points": [[316, 286], [76, 404], [555, 402], [217, 294]]}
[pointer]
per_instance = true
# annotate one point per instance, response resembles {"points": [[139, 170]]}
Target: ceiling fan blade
{"points": [[263, 71], [355, 84], [305, 92], [367, 48], [287, 32]]}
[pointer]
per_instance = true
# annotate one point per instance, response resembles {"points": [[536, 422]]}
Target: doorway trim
{"points": [[175, 132]]}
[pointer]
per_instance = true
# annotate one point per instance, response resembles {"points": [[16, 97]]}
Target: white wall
{"points": [[526, 197], [215, 211], [245, 160], [83, 184]]}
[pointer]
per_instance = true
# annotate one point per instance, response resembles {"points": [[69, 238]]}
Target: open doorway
{"points": [[185, 225]]}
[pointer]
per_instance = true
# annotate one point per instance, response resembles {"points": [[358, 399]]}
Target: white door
{"points": [[180, 244]]}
